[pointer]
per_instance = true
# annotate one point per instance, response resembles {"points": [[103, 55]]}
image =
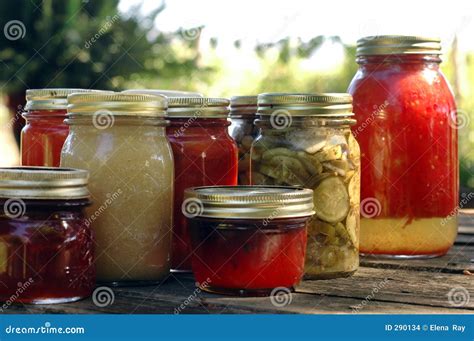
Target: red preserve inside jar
{"points": [[251, 246], [43, 136], [46, 245], [406, 130], [204, 155]]}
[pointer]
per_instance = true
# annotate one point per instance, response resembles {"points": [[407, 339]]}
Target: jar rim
{"points": [[51, 98], [43, 183], [397, 45], [248, 202]]}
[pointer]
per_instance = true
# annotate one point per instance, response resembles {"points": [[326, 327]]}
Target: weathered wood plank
{"points": [[396, 285]]}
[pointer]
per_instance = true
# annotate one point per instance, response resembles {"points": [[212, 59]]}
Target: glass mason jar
{"points": [[44, 134], [121, 140], [305, 140], [243, 131], [46, 246], [407, 133], [204, 155], [248, 240]]}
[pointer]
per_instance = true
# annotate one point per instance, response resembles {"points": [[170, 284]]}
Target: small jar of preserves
{"points": [[407, 130], [305, 140], [204, 155], [45, 131], [243, 131], [248, 240], [120, 138], [46, 245]]}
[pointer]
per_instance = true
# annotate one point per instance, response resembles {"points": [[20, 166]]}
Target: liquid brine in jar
{"points": [[306, 141]]}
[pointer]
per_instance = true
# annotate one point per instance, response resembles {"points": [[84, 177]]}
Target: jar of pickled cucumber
{"points": [[243, 131], [305, 140]]}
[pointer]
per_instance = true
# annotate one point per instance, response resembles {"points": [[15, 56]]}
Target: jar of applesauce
{"points": [[408, 137], [120, 139], [242, 114], [305, 140]]}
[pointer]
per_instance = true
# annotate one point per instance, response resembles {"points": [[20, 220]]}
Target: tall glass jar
{"points": [[243, 131], [121, 140], [407, 133], [305, 140], [204, 155], [46, 246], [44, 134]]}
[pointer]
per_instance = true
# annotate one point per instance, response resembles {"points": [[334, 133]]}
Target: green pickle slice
{"points": [[331, 200]]}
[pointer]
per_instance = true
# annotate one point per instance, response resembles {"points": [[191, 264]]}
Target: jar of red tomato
{"points": [[408, 139], [248, 240], [46, 245], [44, 134], [204, 155]]}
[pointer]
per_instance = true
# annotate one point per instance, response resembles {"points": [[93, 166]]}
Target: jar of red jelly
{"points": [[406, 129], [46, 245], [44, 134], [248, 240], [242, 114], [204, 155]]}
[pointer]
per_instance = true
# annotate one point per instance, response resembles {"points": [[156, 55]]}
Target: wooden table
{"points": [[380, 286]]}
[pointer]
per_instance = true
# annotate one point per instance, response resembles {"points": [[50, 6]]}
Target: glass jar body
{"points": [[406, 129], [46, 252], [204, 155], [232, 256], [243, 131], [42, 137], [131, 183], [322, 156]]}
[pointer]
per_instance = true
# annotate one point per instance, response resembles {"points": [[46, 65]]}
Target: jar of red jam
{"points": [[406, 128], [44, 134], [248, 240], [204, 155], [242, 114], [46, 245]]}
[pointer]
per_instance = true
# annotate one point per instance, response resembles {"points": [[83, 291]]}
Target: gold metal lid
{"points": [[395, 44], [300, 104], [117, 104], [248, 202], [50, 99], [166, 93], [205, 107], [43, 183], [243, 106]]}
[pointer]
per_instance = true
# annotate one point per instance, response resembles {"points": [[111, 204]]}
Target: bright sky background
{"points": [[255, 21]]}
